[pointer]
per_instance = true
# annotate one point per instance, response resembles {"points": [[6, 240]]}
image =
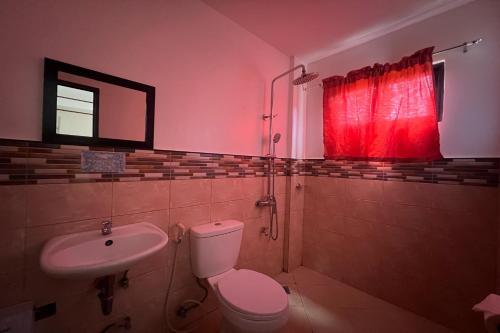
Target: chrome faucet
{"points": [[106, 227]]}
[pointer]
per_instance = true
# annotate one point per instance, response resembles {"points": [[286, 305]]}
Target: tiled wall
{"points": [[294, 223], [27, 162], [46, 194], [429, 248], [418, 242], [453, 171], [31, 214]]}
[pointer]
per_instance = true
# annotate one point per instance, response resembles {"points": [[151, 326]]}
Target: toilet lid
{"points": [[253, 293]]}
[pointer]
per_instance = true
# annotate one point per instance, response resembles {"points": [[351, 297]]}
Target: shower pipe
{"points": [[269, 199]]}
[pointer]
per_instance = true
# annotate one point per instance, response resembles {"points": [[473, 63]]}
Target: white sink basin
{"points": [[90, 254]]}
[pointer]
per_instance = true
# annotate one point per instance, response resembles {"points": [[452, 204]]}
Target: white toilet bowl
{"points": [[250, 301]]}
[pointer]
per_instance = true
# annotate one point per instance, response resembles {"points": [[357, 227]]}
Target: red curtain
{"points": [[383, 111]]}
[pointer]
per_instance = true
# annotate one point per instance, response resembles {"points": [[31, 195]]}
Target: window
{"points": [[77, 109], [383, 111], [438, 75]]}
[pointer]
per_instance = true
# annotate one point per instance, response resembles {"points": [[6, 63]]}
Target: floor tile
{"points": [[319, 304], [298, 322], [306, 276]]}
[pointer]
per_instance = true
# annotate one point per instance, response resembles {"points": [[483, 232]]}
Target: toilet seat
{"points": [[253, 295]]}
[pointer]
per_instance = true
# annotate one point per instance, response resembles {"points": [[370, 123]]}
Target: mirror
{"points": [[85, 107]]}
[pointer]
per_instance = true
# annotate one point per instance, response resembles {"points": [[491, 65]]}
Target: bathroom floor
{"points": [[320, 304]]}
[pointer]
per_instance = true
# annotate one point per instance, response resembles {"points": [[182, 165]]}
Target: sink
{"points": [[91, 255]]}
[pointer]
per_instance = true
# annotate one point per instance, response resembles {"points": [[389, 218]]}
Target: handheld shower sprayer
{"points": [[276, 138], [179, 232], [187, 305]]}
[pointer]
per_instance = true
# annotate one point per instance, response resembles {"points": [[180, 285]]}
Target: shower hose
{"points": [[193, 302], [274, 221]]}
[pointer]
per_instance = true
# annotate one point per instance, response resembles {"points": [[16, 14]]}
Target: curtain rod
{"points": [[465, 46]]}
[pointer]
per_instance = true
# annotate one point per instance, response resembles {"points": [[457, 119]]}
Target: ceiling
{"points": [[313, 29]]}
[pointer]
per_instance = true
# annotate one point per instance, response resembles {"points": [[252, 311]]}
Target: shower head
{"points": [[304, 78], [276, 137]]}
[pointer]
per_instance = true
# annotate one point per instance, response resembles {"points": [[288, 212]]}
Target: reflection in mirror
{"points": [[77, 109], [121, 112], [82, 106]]}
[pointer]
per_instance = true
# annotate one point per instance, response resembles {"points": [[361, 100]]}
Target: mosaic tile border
{"points": [[29, 162], [457, 171]]}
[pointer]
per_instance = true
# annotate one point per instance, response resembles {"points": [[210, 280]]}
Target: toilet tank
{"points": [[215, 247]]}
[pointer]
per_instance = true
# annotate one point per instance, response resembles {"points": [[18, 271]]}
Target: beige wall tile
{"points": [[324, 253], [42, 288], [418, 194], [243, 209], [190, 216], [184, 276], [12, 207], [58, 203], [297, 194], [190, 192], [466, 198], [133, 202], [12, 249], [365, 210], [148, 317], [254, 187], [358, 229], [281, 206], [323, 219], [295, 240], [325, 186], [253, 240], [412, 217], [159, 218], [400, 240], [12, 287], [229, 210], [141, 290], [362, 189], [279, 185], [467, 229], [226, 189], [136, 197], [405, 251], [271, 266], [328, 205]]}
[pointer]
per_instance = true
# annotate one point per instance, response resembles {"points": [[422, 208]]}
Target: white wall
{"points": [[212, 77], [471, 123]]}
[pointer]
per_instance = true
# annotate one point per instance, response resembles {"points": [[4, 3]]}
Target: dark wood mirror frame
{"points": [[49, 134]]}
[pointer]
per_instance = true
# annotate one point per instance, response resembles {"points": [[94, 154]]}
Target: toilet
{"points": [[249, 301]]}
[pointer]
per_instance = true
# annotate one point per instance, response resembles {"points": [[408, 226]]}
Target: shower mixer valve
{"points": [[266, 201]]}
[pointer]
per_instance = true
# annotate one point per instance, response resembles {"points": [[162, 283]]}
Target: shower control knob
{"points": [[298, 186]]}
